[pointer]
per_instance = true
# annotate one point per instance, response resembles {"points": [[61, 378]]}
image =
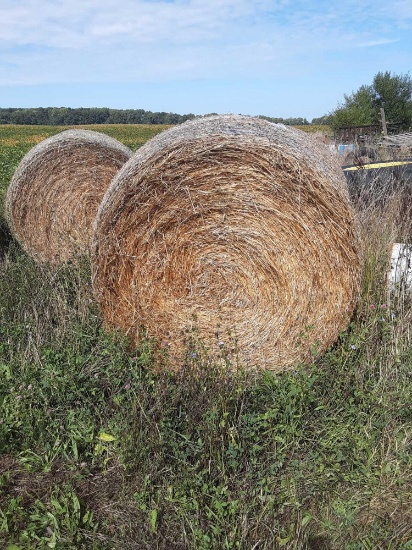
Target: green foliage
{"points": [[357, 109], [323, 120], [59, 116], [362, 107], [101, 449], [394, 93], [60, 523]]}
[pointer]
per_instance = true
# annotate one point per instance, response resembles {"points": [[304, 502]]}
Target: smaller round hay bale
{"points": [[233, 231], [56, 190]]}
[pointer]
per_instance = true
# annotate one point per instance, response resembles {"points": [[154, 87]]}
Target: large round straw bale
{"points": [[56, 190], [234, 231]]}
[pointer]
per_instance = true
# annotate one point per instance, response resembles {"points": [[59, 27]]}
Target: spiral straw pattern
{"points": [[233, 232], [55, 192]]}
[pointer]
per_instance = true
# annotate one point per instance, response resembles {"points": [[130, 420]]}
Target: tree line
{"points": [[67, 116]]}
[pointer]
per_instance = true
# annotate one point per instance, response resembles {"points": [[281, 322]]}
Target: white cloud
{"points": [[137, 40], [78, 22], [373, 43]]}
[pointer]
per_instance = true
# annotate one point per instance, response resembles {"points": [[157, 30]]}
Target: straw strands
{"points": [[56, 190], [233, 232]]}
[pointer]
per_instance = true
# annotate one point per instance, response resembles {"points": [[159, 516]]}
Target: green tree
{"points": [[394, 93], [391, 91], [357, 109]]}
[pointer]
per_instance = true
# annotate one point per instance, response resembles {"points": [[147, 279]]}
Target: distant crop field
{"points": [[312, 128]]}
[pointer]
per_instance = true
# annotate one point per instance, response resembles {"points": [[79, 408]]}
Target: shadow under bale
{"points": [[5, 237]]}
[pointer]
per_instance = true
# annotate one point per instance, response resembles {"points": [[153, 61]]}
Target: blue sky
{"points": [[277, 58]]}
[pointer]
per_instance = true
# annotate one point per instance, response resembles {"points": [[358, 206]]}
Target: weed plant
{"points": [[101, 449]]}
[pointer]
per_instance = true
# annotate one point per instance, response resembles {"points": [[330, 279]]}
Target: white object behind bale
{"points": [[400, 272]]}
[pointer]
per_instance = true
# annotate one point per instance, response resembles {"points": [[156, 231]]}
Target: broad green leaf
{"points": [[106, 437], [283, 542], [306, 519], [153, 520]]}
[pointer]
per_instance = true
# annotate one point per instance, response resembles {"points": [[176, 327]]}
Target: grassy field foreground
{"points": [[98, 451]]}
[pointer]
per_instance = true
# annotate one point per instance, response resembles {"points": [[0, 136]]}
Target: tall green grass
{"points": [[99, 450]]}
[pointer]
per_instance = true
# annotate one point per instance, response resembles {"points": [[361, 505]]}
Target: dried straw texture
{"points": [[233, 231], [56, 190]]}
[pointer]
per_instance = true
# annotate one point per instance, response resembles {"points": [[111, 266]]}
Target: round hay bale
{"points": [[232, 231], [56, 190]]}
